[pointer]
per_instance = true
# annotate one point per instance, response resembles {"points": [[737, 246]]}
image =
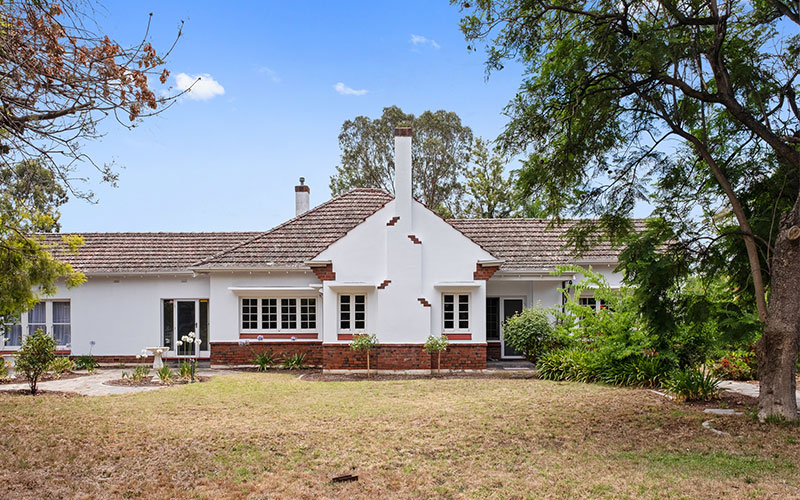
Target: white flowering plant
{"points": [[193, 342]]}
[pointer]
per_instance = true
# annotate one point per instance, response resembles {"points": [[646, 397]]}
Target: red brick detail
{"points": [[493, 350], [416, 240], [458, 336], [424, 302], [63, 352], [344, 336], [384, 284], [324, 273], [393, 221], [233, 353], [404, 357], [302, 189], [484, 272], [121, 359], [402, 132], [285, 336], [462, 357]]}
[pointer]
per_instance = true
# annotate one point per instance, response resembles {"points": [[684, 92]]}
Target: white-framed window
{"points": [[592, 302], [278, 314], [50, 316], [455, 312], [352, 313]]}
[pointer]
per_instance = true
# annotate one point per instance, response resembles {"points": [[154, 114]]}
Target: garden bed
{"points": [[45, 378], [41, 392], [149, 382], [320, 376]]}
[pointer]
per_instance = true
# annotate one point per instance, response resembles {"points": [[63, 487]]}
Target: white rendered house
{"points": [[364, 262]]}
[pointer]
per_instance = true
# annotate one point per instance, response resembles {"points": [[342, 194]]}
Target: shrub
{"points": [[295, 361], [366, 343], [531, 333], [435, 345], [265, 360], [164, 374], [3, 369], [139, 373], [736, 365], [584, 365], [85, 362], [691, 384], [61, 365], [34, 357]]}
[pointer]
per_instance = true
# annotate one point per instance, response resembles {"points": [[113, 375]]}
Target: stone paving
{"points": [[745, 388], [93, 385]]}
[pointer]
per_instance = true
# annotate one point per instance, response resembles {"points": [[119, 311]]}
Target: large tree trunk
{"points": [[777, 349]]}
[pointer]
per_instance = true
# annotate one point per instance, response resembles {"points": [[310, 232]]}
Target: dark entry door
{"points": [[510, 308]]}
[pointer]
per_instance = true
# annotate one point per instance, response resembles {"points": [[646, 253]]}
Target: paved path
{"points": [[93, 385], [744, 388]]}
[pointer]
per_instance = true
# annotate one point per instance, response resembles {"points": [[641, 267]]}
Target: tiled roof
{"points": [[302, 238], [144, 252], [528, 244]]}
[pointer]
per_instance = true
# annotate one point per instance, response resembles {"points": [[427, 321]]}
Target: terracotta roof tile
{"points": [[528, 244]]}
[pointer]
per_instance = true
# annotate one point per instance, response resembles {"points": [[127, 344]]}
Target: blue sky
{"points": [[230, 162]]}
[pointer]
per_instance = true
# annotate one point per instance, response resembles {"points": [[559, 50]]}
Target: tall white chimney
{"points": [[302, 193], [402, 175]]}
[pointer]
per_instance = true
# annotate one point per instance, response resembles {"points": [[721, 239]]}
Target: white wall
{"points": [[124, 317], [374, 252], [224, 303]]}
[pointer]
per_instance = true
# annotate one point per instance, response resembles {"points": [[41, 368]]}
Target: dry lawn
{"points": [[265, 436]]}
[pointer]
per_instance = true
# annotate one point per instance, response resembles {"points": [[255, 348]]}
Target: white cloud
{"points": [[421, 40], [345, 90], [270, 73], [203, 86]]}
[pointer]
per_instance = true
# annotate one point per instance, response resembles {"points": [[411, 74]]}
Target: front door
{"points": [[509, 307], [181, 317]]}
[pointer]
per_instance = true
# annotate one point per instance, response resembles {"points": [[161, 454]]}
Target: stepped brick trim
{"points": [[424, 302], [324, 273], [384, 284], [393, 221], [404, 357], [285, 336], [234, 353], [458, 336], [416, 240], [484, 272], [402, 132]]}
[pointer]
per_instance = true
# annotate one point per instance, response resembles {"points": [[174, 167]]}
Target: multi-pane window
{"points": [[279, 314], [269, 314], [592, 302], [249, 314], [492, 318], [50, 316], [308, 313], [455, 312], [352, 312]]}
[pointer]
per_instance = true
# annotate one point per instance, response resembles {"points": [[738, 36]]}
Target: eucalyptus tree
{"points": [[440, 153], [692, 103]]}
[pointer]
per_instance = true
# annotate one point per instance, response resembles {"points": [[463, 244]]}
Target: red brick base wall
{"points": [[233, 353], [493, 350], [404, 357], [120, 359]]}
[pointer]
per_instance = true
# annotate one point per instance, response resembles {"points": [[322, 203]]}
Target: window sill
{"points": [[458, 335], [278, 336]]}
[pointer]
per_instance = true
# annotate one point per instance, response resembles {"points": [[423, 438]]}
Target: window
{"points": [[492, 318], [288, 314], [279, 314], [62, 332], [308, 313], [352, 312], [455, 312], [249, 314], [168, 308], [592, 302], [50, 316]]}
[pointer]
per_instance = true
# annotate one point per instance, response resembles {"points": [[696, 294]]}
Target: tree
{"points": [[437, 345], [366, 343], [34, 357], [679, 101], [59, 78], [440, 153], [489, 192]]}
